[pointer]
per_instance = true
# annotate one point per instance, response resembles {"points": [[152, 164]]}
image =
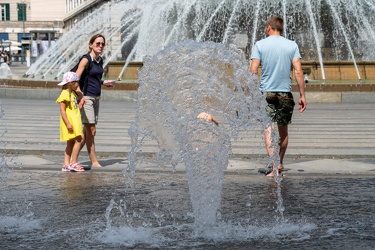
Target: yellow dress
{"points": [[73, 114]]}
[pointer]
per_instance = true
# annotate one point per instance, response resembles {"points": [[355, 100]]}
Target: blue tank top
{"points": [[94, 83]]}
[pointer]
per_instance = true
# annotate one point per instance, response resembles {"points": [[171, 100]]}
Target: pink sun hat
{"points": [[69, 77]]}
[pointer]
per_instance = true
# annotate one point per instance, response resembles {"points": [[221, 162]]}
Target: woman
{"points": [[91, 97]]}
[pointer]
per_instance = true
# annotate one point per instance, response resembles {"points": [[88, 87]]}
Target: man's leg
{"points": [[268, 139], [284, 139], [283, 144]]}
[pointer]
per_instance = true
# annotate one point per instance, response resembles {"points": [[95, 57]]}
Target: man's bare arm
{"points": [[300, 82], [255, 63]]}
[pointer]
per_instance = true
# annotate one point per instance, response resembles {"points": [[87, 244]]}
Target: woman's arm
{"points": [[81, 68]]}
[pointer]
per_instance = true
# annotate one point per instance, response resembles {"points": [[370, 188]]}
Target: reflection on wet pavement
{"points": [[98, 210]]}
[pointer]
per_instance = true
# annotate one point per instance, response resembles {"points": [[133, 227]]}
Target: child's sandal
{"points": [[66, 169], [76, 167]]}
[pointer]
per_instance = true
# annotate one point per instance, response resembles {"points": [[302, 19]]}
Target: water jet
{"points": [[333, 31]]}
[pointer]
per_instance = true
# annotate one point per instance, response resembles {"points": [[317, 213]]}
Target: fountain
{"points": [[180, 79], [183, 81], [339, 32]]}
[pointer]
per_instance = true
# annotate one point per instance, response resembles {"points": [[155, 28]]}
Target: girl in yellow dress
{"points": [[70, 122]]}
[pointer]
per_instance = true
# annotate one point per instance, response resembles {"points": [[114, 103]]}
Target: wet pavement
{"points": [[46, 209]]}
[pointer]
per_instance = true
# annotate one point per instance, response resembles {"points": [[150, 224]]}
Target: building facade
{"points": [[29, 27], [19, 17], [76, 10], [32, 26], [24, 21]]}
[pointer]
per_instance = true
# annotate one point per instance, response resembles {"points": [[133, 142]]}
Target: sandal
{"points": [[66, 169], [76, 167], [267, 170]]}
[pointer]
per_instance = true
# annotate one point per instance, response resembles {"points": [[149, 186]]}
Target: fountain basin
{"points": [[339, 70], [340, 77], [40, 208], [330, 91], [334, 70]]}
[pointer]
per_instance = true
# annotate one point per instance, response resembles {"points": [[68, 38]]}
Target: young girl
{"points": [[70, 122]]}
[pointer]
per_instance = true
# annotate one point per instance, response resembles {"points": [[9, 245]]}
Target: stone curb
{"points": [[131, 95], [114, 154]]}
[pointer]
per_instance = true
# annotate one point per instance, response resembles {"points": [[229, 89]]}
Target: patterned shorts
{"points": [[280, 107]]}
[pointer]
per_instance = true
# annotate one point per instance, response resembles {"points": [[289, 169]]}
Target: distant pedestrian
{"points": [[277, 55], [5, 57], [70, 122]]}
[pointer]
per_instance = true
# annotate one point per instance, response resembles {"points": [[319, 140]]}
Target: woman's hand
{"points": [[109, 83], [82, 102]]}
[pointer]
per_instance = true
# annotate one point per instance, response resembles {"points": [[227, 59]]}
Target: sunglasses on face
{"points": [[99, 43]]}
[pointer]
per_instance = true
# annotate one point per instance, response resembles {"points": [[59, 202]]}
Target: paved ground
{"points": [[326, 138]]}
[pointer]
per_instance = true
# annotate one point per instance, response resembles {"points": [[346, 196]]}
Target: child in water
{"points": [[70, 122]]}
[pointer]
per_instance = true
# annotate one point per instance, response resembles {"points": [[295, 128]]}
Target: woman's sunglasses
{"points": [[99, 43]]}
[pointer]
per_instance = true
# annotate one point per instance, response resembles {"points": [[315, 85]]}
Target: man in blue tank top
{"points": [[277, 55]]}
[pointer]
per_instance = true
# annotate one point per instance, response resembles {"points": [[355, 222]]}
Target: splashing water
{"points": [[175, 86], [3, 160], [5, 70], [19, 216]]}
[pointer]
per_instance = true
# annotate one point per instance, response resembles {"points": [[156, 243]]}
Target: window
{"points": [[21, 7], [4, 36], [5, 13], [23, 36]]}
